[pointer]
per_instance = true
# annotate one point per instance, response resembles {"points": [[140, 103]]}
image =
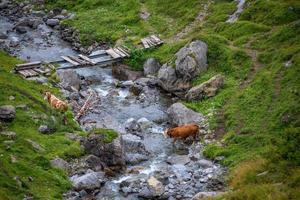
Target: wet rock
{"points": [[52, 22], [127, 83], [3, 36], [179, 114], [59, 17], [38, 13], [191, 60], [7, 113], [21, 29], [35, 22], [4, 4], [135, 158], [205, 163], [94, 162], [204, 195], [144, 124], [60, 163], [89, 181], [206, 89], [133, 144], [69, 78], [178, 159], [44, 129], [131, 125], [9, 135], [111, 154], [151, 66], [155, 186], [124, 73]]}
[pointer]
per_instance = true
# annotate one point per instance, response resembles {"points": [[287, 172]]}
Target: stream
{"points": [[240, 8], [139, 119]]}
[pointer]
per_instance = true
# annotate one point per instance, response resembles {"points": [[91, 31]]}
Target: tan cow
{"points": [[56, 102], [182, 132]]}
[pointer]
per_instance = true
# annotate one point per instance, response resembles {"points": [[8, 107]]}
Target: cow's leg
{"points": [[174, 140], [194, 137]]}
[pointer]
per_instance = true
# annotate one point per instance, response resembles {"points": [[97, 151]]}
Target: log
{"points": [[87, 104]]}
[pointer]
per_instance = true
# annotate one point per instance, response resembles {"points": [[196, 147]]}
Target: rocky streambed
{"points": [[140, 163]]}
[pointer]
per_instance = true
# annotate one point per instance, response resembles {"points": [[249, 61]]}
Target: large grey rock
{"points": [[60, 163], [178, 159], [89, 181], [7, 113], [44, 129], [151, 66], [191, 60], [52, 22], [179, 114], [135, 158], [133, 144], [69, 78], [206, 89], [111, 154], [169, 81], [124, 73]]}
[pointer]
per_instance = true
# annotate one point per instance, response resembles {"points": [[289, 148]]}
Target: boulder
{"points": [[110, 153], [179, 114], [156, 187], [151, 66], [70, 79], [206, 89], [7, 113], [191, 60], [52, 22], [124, 73], [131, 125], [60, 163], [178, 159], [94, 162], [169, 81], [89, 181], [21, 29], [135, 158], [3, 36], [133, 144]]}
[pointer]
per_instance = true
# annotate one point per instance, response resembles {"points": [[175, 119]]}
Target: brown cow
{"points": [[182, 132], [55, 102]]}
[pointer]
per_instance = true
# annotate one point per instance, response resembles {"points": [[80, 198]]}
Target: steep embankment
{"points": [[26, 154]]}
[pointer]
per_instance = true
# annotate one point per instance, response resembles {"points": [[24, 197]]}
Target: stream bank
{"points": [[141, 163]]}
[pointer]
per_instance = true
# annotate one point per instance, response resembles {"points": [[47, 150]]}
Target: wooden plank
{"points": [[87, 59], [23, 73], [70, 60], [32, 72], [82, 62], [119, 52], [112, 53], [157, 39], [123, 51], [28, 64], [145, 44], [150, 42]]}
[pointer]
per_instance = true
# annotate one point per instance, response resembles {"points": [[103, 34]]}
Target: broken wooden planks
{"points": [[87, 59], [118, 52], [66, 58], [151, 41], [27, 65]]}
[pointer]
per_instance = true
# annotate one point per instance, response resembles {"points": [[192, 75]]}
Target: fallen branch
{"points": [[86, 106]]}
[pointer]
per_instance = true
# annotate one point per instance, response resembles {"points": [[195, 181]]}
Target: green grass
{"points": [[48, 183], [261, 118], [109, 134]]}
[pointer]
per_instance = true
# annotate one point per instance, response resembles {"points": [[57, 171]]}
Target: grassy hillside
{"points": [[25, 170], [256, 115]]}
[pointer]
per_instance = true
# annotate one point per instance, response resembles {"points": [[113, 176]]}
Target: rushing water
{"points": [[116, 105]]}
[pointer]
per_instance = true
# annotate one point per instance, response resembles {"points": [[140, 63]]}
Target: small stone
{"points": [[7, 113], [35, 145], [44, 129], [60, 163], [52, 22], [30, 178], [11, 98], [9, 134]]}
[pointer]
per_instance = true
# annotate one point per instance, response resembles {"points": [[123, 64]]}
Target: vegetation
{"points": [[108, 134], [258, 106], [31, 174]]}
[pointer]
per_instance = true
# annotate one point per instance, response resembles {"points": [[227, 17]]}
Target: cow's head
{"points": [[166, 133], [47, 95]]}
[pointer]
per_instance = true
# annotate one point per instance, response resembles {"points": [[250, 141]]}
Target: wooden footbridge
{"points": [[100, 58]]}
